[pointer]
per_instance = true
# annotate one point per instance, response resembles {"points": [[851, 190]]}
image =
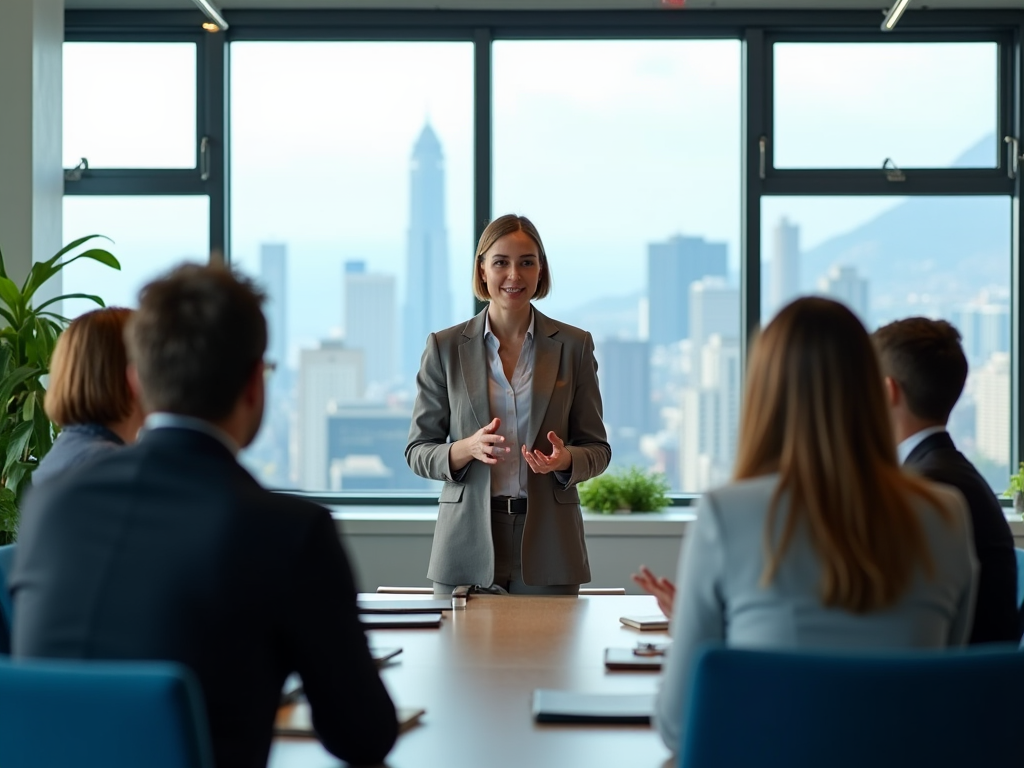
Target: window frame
{"points": [[757, 32]]}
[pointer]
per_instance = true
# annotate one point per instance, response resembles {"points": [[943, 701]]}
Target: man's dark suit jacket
{"points": [[170, 550], [995, 612]]}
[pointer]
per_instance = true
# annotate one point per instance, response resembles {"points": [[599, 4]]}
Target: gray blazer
{"points": [[719, 598], [451, 403]]}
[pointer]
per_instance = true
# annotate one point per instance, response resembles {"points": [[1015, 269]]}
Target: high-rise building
{"points": [[711, 416], [370, 322], [984, 326], [273, 276], [671, 267], [992, 402], [330, 376], [845, 285], [366, 450], [714, 310], [624, 373], [428, 302], [785, 283]]}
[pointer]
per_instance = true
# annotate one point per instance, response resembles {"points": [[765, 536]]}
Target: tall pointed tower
{"points": [[427, 294]]}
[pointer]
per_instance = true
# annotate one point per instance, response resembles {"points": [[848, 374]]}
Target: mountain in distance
{"points": [[948, 248], [606, 317]]}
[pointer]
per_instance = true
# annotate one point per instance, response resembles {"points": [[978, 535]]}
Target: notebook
{"points": [[633, 658], [644, 623], [609, 708], [400, 620], [296, 719], [292, 690], [373, 604]]}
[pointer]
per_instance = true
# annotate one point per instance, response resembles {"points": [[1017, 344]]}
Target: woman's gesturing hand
{"points": [[483, 445], [560, 459], [659, 586]]}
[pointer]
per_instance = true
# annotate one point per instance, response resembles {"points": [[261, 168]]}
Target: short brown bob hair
{"points": [[88, 380], [497, 229]]}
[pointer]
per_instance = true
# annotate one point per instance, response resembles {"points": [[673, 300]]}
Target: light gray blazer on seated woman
{"points": [[452, 403], [719, 597]]}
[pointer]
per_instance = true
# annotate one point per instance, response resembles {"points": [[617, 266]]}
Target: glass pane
{"points": [[890, 258], [625, 154], [352, 174], [150, 235], [852, 105], [130, 105]]}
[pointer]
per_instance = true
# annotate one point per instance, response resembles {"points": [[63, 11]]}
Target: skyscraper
{"points": [[273, 275], [671, 267], [427, 296], [329, 377], [714, 309], [845, 285], [992, 398], [623, 367], [370, 322], [785, 264]]}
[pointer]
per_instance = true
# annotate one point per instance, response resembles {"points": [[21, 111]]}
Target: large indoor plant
{"points": [[26, 343]]}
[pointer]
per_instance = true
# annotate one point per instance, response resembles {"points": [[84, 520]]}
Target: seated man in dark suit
{"points": [[170, 550], [925, 370]]}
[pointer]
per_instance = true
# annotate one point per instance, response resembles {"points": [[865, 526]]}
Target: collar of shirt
{"points": [[177, 421], [907, 447], [488, 335]]}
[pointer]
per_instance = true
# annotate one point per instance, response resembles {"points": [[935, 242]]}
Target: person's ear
{"points": [[893, 393]]}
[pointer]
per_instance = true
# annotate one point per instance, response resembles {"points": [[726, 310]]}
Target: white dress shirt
{"points": [[510, 401], [906, 447]]}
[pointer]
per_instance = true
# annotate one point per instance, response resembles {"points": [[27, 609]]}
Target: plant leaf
{"points": [[28, 408], [96, 254], [10, 295], [44, 434], [89, 296], [16, 448], [13, 380], [71, 246]]}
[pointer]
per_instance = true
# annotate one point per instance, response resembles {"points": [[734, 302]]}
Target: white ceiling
{"points": [[546, 4]]}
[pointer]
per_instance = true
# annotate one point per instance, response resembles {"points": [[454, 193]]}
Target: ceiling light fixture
{"points": [[890, 18], [215, 21]]}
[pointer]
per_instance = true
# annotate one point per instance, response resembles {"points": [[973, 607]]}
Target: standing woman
{"points": [[821, 541], [508, 414]]}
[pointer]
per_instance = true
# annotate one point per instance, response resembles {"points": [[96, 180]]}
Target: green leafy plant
{"points": [[632, 489], [1016, 482], [27, 338]]}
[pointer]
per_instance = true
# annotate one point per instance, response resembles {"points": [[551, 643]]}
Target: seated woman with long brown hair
{"points": [[821, 541], [89, 396]]}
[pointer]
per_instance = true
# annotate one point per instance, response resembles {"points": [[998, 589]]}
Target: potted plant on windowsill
{"points": [[1016, 490], [26, 344], [622, 492]]}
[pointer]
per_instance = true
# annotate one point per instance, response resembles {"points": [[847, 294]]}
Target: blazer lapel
{"points": [[473, 362], [547, 352]]}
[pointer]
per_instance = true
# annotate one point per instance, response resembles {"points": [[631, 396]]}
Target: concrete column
{"points": [[31, 177]]}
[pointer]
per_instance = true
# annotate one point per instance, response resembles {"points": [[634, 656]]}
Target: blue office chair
{"points": [[6, 609], [101, 714], [941, 709], [1020, 577]]}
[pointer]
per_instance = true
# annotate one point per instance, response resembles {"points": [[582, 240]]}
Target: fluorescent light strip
{"points": [[890, 20], [212, 13]]}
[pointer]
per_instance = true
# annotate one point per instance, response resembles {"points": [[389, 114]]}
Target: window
{"points": [[625, 156], [352, 203], [149, 235], [891, 258], [130, 105], [853, 105]]}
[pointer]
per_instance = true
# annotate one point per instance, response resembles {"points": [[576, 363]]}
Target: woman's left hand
{"points": [[560, 459]]}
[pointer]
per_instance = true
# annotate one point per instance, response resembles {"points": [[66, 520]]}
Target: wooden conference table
{"points": [[475, 677]]}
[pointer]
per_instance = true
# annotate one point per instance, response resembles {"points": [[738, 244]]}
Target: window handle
{"points": [[204, 158], [892, 172], [1014, 158], [762, 145], [75, 174]]}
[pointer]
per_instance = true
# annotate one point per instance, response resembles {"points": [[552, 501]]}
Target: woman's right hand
{"points": [[483, 445], [659, 586]]}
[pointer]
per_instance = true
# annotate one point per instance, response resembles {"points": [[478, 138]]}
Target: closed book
{"points": [[400, 620], [368, 605], [656, 622], [609, 708]]}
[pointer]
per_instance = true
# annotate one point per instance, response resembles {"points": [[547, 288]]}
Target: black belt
{"points": [[508, 505]]}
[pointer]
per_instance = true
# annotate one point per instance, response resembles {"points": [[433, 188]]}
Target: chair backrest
{"points": [[6, 608], [99, 713], [941, 709]]}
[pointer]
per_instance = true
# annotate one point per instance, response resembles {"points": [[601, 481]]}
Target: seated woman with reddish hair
{"points": [[89, 396]]}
